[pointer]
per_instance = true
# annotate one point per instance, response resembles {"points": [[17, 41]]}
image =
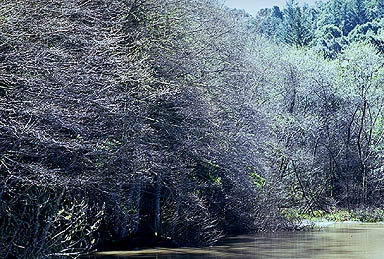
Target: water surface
{"points": [[341, 240]]}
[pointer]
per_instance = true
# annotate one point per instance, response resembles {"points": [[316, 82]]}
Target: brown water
{"points": [[341, 240]]}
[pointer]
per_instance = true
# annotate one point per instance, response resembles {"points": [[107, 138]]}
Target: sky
{"points": [[252, 6]]}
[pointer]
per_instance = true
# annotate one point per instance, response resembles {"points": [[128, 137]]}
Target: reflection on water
{"points": [[342, 240]]}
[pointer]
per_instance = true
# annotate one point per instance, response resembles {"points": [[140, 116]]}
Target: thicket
{"points": [[170, 119]]}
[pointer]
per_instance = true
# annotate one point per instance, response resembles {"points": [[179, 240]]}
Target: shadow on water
{"points": [[354, 241]]}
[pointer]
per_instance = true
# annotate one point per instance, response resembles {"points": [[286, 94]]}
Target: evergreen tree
{"points": [[270, 22], [276, 12], [333, 12], [380, 8], [296, 30], [338, 11], [356, 14]]}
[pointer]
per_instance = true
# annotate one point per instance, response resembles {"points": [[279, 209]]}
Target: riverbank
{"points": [[320, 219], [343, 240], [300, 221]]}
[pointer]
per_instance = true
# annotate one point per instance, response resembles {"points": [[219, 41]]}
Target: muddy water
{"points": [[341, 240]]}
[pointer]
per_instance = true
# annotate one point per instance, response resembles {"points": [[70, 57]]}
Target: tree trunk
{"points": [[361, 154], [175, 217], [138, 204], [157, 204]]}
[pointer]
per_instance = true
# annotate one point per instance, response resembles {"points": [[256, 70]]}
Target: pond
{"points": [[339, 240]]}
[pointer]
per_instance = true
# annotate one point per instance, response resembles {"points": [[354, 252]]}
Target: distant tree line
{"points": [[329, 26]]}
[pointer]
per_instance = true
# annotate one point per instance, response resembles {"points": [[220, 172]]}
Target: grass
{"points": [[370, 215]]}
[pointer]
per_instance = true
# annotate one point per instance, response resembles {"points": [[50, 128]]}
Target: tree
{"points": [[362, 79], [296, 30], [356, 15], [269, 22], [332, 13], [380, 8]]}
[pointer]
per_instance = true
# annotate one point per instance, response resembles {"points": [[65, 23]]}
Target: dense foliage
{"points": [[172, 119], [329, 26]]}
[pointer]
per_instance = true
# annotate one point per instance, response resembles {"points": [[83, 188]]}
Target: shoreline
{"points": [[326, 223]]}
